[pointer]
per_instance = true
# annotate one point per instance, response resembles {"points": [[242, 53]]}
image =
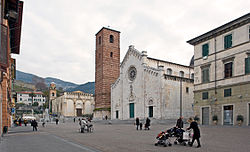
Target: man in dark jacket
{"points": [[137, 122], [147, 124], [196, 136], [34, 125], [179, 123]]}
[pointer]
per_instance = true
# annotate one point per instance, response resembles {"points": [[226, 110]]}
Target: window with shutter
{"points": [[205, 50], [228, 41], [228, 70], [205, 75], [247, 65]]}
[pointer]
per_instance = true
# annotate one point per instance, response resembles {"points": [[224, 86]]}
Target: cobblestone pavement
{"points": [[125, 138], [121, 138]]}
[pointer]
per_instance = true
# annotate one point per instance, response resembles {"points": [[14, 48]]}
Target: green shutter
{"points": [[247, 65], [228, 41], [205, 49]]}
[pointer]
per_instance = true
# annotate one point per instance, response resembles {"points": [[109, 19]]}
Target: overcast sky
{"points": [[58, 36]]}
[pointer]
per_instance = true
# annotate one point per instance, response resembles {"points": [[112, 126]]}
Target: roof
{"points": [[107, 29], [169, 62], [245, 19], [29, 92]]}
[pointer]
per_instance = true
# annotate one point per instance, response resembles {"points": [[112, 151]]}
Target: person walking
{"points": [[20, 122], [147, 124], [137, 122], [34, 125], [179, 123], [57, 121], [196, 136], [74, 120]]}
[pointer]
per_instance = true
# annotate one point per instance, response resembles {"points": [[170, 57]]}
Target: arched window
{"points": [[100, 40], [111, 54], [169, 71], [111, 39], [181, 74]]}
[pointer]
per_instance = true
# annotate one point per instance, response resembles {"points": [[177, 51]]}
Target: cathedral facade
{"points": [[148, 87]]}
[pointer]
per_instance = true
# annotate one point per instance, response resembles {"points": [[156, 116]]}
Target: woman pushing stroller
{"points": [[196, 136]]}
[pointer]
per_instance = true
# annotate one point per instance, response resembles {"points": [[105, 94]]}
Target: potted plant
{"points": [[240, 119], [215, 119]]}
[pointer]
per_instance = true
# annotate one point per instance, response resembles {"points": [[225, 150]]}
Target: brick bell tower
{"points": [[107, 69]]}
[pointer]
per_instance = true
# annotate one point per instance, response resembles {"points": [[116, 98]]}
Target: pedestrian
{"points": [[179, 123], [196, 136], [147, 124], [20, 122], [140, 126], [43, 124], [137, 122], [74, 120], [25, 122], [106, 117], [34, 125], [57, 121]]}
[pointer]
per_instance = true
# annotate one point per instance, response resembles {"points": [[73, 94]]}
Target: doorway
{"points": [[205, 116], [150, 111], [228, 115], [131, 110], [79, 112]]}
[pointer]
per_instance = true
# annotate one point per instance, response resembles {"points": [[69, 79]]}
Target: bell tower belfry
{"points": [[107, 69], [52, 94]]}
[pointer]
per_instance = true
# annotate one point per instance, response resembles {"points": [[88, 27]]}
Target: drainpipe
{"points": [[180, 97], [215, 67]]}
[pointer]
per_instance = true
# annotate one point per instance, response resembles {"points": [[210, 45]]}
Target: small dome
{"points": [[192, 62]]}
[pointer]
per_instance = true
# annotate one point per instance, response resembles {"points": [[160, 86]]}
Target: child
{"points": [[140, 126]]}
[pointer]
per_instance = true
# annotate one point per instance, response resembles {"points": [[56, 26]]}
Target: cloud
{"points": [[58, 37]]}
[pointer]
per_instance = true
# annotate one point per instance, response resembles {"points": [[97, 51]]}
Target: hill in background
{"points": [[44, 83]]}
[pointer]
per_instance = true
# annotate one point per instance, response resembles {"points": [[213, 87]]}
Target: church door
{"points": [[131, 110], [150, 111], [79, 112]]}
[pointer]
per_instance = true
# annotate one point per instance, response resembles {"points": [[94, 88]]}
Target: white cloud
{"points": [[58, 37]]}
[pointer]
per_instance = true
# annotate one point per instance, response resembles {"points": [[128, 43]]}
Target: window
{"points": [[227, 92], [249, 31], [111, 54], [21, 99], [111, 39], [204, 95], [205, 50], [228, 41], [181, 74], [247, 65], [205, 75], [169, 71], [99, 40], [192, 76], [228, 70], [53, 94], [20, 94], [187, 89]]}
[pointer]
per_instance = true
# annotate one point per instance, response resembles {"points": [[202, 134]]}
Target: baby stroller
{"points": [[182, 136], [163, 139]]}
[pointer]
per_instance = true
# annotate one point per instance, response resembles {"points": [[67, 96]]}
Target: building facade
{"points": [[11, 23], [152, 88], [107, 66], [222, 73], [73, 104], [26, 98]]}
